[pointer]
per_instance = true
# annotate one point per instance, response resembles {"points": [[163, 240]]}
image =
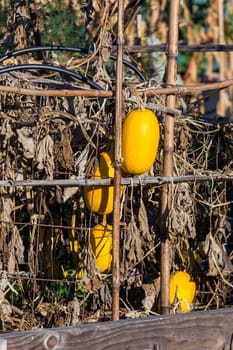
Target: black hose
{"points": [[67, 48], [130, 65], [63, 70], [42, 48]]}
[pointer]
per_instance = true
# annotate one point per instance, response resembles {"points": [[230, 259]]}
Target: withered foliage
{"points": [[49, 275]]}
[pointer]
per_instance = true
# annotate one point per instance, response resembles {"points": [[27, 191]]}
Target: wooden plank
{"points": [[202, 330], [3, 344]]}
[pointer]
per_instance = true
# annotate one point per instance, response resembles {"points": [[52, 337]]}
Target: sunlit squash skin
{"points": [[101, 242], [99, 199], [93, 194], [140, 141], [107, 164], [182, 289]]}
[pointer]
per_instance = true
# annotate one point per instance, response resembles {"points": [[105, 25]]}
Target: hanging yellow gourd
{"points": [[140, 141], [182, 290], [99, 199], [101, 242], [93, 194]]}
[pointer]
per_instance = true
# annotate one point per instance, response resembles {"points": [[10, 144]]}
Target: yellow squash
{"points": [[182, 290], [101, 242], [99, 199], [140, 141]]}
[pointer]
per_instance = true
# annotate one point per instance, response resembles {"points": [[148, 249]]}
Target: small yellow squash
{"points": [[140, 141], [99, 199], [101, 242], [182, 290]]}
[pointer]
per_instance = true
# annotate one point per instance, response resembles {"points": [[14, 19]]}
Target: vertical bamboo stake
{"points": [[222, 63], [168, 156], [117, 176]]}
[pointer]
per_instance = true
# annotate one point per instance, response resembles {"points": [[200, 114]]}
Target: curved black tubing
{"points": [[43, 48], [63, 70], [67, 48]]}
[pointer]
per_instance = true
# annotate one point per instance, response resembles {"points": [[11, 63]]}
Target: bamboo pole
{"points": [[174, 89], [221, 107], [117, 175], [181, 47], [168, 157]]}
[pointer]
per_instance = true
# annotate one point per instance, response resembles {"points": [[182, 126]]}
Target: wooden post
{"points": [[117, 176], [168, 156]]}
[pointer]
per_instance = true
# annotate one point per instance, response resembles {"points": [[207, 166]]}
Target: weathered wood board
{"points": [[201, 330]]}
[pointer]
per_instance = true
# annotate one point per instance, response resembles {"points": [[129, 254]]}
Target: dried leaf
{"points": [[143, 221], [218, 259], [63, 153], [27, 142], [16, 250], [44, 156]]}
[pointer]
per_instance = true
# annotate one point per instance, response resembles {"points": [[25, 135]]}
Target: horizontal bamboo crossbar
{"points": [[144, 180], [181, 48], [56, 92], [177, 90]]}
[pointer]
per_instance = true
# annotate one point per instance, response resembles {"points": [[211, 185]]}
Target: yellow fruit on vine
{"points": [[182, 290], [140, 141], [107, 164], [99, 199], [93, 194], [101, 242]]}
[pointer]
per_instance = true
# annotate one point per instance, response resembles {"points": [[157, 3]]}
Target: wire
{"points": [[68, 48]]}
